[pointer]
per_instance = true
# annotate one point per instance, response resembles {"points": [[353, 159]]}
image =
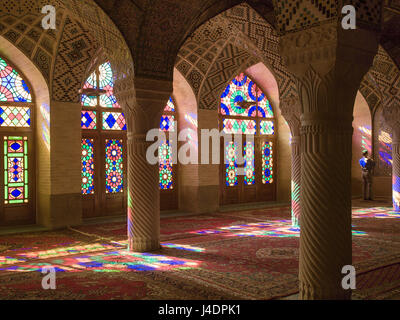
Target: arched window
{"points": [[104, 157], [168, 171], [16, 129], [246, 110], [103, 146]]}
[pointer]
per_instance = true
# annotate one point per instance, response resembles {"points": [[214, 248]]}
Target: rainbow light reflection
{"points": [[278, 228], [378, 213], [366, 134], [88, 258], [385, 148]]}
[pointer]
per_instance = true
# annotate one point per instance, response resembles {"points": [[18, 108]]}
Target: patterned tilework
{"points": [[75, 51], [21, 25], [300, 14]]}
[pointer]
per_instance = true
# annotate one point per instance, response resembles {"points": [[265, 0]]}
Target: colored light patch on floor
{"points": [[10, 260], [378, 213], [182, 247], [278, 228], [114, 261], [38, 267], [65, 251]]}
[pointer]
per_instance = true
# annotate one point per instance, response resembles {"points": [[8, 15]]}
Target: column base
{"points": [[295, 222], [308, 292], [143, 245]]}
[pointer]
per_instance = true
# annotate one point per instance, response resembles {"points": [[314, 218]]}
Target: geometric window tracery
{"points": [[114, 166], [16, 189], [87, 166], [12, 87], [102, 118], [167, 125], [15, 112], [246, 110]]}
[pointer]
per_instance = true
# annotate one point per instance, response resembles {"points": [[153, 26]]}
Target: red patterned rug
{"points": [[238, 255]]}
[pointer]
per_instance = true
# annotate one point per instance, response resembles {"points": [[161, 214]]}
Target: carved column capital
{"points": [[291, 111], [328, 64], [391, 116]]}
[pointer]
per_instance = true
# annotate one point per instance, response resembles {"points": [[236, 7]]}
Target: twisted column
{"points": [[325, 242], [396, 165], [296, 181], [291, 109], [143, 197], [143, 101], [391, 115], [328, 65], [396, 175]]}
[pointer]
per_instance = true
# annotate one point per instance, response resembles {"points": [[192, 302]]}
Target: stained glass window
{"points": [[243, 89], [231, 164], [238, 126], [98, 91], [11, 116], [170, 107], [167, 125], [87, 162], [15, 112], [249, 171], [89, 101], [89, 120], [16, 180], [267, 127], [246, 110], [267, 163], [12, 87], [166, 178], [114, 166], [114, 121], [102, 118]]}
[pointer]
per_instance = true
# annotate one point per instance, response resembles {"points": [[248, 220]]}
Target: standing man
{"points": [[367, 164]]}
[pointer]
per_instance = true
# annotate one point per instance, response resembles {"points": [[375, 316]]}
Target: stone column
{"points": [[396, 169], [391, 114], [291, 109], [328, 64], [296, 181], [143, 197], [143, 108]]}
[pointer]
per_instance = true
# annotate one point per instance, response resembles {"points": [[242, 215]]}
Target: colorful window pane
{"points": [[237, 91], [267, 127], [12, 87], [167, 123], [108, 100], [88, 120], [170, 107], [106, 81], [267, 162], [231, 164], [114, 121], [249, 171], [15, 117], [91, 82], [16, 189], [166, 177], [87, 166], [242, 88], [89, 101], [236, 126], [114, 166], [264, 107]]}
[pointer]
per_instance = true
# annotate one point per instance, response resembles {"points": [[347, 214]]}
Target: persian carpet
{"points": [[232, 255]]}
